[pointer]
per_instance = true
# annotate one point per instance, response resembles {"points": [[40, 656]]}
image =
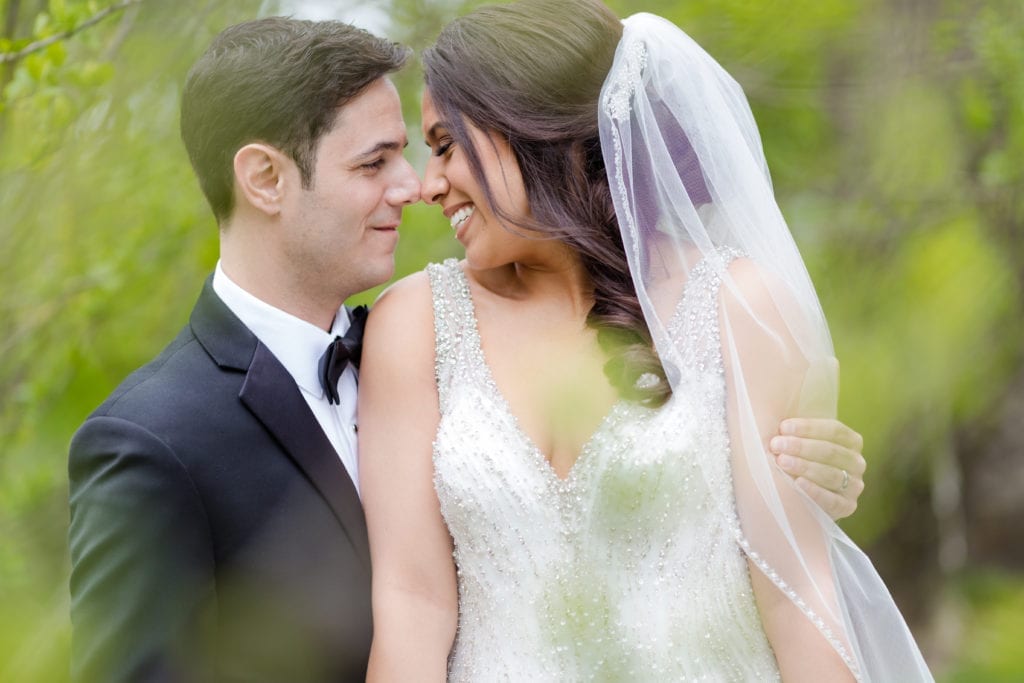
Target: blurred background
{"points": [[895, 134]]}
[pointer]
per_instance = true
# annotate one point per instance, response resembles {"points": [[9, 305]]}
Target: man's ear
{"points": [[262, 174]]}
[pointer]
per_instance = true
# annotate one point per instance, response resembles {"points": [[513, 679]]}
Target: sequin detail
{"points": [[626, 570], [616, 104], [624, 82]]}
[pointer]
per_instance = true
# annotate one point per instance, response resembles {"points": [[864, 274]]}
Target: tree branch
{"points": [[63, 35]]}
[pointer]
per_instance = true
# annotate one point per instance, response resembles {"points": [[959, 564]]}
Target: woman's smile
{"points": [[461, 218]]}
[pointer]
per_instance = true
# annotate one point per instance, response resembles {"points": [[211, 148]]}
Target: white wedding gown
{"points": [[628, 569]]}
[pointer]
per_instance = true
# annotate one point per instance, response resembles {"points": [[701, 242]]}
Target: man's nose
{"points": [[407, 190]]}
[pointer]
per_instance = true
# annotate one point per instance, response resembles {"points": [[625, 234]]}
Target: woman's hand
{"points": [[824, 457]]}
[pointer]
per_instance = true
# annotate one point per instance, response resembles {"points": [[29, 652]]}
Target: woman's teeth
{"points": [[461, 216]]}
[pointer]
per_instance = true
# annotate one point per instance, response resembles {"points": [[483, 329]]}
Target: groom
{"points": [[216, 529]]}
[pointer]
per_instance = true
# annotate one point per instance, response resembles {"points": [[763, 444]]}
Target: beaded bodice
{"points": [[629, 569]]}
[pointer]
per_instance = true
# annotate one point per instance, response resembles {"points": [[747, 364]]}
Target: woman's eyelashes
{"points": [[443, 145]]}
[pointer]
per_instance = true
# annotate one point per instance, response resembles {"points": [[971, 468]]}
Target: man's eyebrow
{"points": [[384, 146]]}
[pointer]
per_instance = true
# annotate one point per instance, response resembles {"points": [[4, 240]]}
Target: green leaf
{"points": [[56, 53], [37, 66], [42, 25], [94, 74]]}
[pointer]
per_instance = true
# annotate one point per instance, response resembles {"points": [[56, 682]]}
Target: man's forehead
{"points": [[378, 99], [373, 119]]}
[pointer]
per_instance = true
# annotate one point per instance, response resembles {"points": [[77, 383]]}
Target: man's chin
{"points": [[375, 275]]}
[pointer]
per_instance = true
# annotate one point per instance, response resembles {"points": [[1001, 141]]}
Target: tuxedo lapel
{"points": [[274, 398]]}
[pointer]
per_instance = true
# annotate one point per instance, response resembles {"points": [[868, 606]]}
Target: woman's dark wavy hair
{"points": [[532, 71], [279, 81]]}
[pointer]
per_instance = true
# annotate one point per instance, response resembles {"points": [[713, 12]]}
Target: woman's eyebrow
{"points": [[432, 133]]}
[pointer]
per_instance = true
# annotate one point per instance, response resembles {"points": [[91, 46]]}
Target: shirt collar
{"points": [[296, 343]]}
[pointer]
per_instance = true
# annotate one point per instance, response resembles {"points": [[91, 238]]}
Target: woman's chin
{"points": [[478, 261]]}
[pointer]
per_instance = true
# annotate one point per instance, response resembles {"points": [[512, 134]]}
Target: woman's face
{"points": [[449, 181]]}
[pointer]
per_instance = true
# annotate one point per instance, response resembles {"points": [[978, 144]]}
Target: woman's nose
{"points": [[434, 186]]}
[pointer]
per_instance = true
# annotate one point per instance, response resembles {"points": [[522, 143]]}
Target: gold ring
{"points": [[846, 481]]}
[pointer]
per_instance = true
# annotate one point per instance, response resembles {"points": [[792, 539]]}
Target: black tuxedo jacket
{"points": [[215, 534]]}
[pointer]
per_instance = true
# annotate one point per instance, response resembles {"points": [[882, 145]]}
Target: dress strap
{"points": [[693, 329], [454, 323]]}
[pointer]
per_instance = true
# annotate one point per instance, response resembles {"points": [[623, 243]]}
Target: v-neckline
{"points": [[543, 461]]}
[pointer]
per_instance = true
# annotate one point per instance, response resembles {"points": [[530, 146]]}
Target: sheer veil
{"points": [[691, 185]]}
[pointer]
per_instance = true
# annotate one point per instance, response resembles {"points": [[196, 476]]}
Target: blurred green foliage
{"points": [[895, 134]]}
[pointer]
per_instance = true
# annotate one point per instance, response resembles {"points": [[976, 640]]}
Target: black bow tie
{"points": [[341, 352]]}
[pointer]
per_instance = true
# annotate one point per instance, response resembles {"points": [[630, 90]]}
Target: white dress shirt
{"points": [[298, 345]]}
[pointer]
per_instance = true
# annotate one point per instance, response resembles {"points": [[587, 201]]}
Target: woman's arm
{"points": [[765, 371], [415, 599]]}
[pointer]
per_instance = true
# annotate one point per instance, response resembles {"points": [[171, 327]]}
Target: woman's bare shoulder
{"points": [[755, 286], [406, 299], [401, 321]]}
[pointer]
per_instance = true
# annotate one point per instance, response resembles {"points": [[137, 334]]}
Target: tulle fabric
{"points": [[690, 182]]}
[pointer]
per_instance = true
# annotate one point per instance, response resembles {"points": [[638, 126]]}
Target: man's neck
{"points": [[262, 274]]}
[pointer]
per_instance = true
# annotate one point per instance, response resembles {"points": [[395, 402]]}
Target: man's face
{"points": [[341, 233]]}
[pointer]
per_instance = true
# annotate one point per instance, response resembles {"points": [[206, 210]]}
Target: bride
{"points": [[580, 488]]}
